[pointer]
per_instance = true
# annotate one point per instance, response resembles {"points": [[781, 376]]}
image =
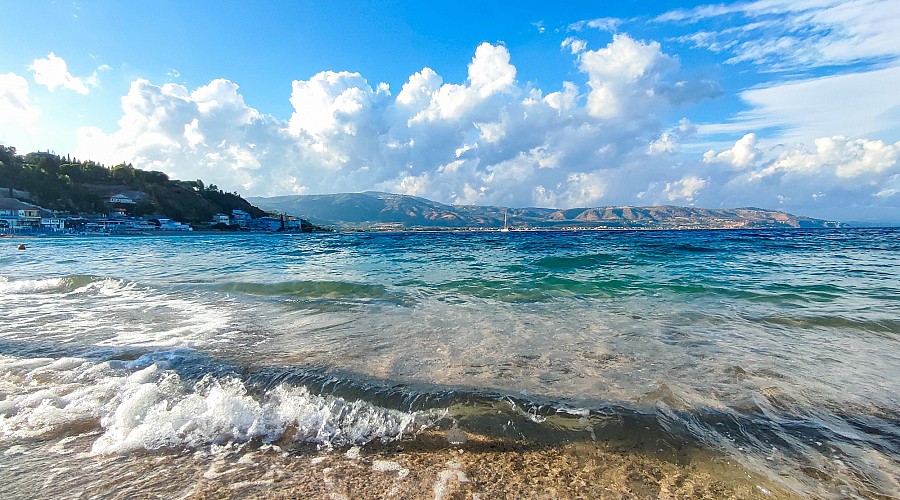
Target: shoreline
{"points": [[421, 466], [348, 231]]}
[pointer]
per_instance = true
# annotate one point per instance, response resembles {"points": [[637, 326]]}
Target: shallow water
{"points": [[777, 350]]}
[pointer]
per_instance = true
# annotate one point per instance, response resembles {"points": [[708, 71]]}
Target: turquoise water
{"points": [[780, 349]]}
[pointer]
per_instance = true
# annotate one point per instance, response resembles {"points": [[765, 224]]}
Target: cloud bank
{"points": [[19, 116], [490, 139]]}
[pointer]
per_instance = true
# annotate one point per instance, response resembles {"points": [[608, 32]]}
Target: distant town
{"points": [[22, 218]]}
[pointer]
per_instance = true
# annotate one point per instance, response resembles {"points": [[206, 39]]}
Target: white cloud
{"points": [[855, 105], [839, 177], [490, 71], [52, 72], [329, 101], [629, 78], [584, 188], [417, 91], [487, 140], [574, 45], [839, 158], [564, 100], [19, 115], [745, 153], [787, 35], [670, 140], [208, 133], [684, 189], [609, 24]]}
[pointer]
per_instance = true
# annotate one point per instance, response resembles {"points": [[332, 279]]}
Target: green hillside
{"points": [[67, 184]]}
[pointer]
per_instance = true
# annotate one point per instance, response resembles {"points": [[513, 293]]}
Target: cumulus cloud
{"points": [[744, 153], [487, 140], [19, 115], [839, 177], [684, 189], [207, 133], [624, 76], [634, 78], [669, 141], [838, 157], [53, 72]]}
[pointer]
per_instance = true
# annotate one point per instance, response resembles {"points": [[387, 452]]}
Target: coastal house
{"points": [[19, 216], [173, 225], [120, 199], [126, 198], [292, 223], [53, 224], [240, 218], [267, 223], [221, 219], [105, 225]]}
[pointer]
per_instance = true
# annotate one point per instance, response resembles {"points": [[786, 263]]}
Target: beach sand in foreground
{"points": [[424, 466]]}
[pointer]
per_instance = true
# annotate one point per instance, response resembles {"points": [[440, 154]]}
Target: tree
{"points": [[123, 173]]}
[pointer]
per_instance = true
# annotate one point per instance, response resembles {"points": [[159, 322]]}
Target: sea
{"points": [[594, 364]]}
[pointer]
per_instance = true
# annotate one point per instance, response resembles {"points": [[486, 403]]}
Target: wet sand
{"points": [[424, 466], [483, 468]]}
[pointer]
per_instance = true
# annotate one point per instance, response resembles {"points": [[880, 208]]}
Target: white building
{"points": [[16, 216]]}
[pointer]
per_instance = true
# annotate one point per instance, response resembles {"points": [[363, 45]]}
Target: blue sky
{"points": [[781, 104]]}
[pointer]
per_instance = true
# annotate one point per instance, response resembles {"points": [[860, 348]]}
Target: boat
{"points": [[505, 228]]}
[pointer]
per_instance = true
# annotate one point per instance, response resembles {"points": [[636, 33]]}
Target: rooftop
{"points": [[14, 204]]}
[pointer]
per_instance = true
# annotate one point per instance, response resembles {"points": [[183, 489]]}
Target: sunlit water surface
{"points": [[780, 349]]}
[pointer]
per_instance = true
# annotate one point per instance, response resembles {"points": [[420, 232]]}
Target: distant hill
{"points": [[373, 210], [66, 184]]}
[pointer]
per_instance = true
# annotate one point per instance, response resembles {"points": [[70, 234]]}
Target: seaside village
{"points": [[22, 218]]}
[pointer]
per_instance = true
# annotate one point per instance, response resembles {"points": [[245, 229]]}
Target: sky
{"points": [[790, 105]]}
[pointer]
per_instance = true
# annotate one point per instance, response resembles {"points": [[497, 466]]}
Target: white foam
{"points": [[30, 286], [69, 308], [140, 406], [15, 450]]}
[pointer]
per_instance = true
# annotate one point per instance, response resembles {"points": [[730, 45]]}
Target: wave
{"points": [[887, 326], [57, 285], [575, 262], [537, 290], [152, 403], [184, 399], [543, 287], [309, 289]]}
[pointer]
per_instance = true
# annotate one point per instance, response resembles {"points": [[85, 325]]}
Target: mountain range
{"points": [[386, 211]]}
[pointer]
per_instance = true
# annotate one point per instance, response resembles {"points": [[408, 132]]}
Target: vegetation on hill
{"points": [[67, 184]]}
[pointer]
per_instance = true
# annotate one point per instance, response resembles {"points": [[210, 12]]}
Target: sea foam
{"points": [[150, 406]]}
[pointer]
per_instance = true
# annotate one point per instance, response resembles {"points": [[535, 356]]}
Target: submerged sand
{"points": [[424, 466]]}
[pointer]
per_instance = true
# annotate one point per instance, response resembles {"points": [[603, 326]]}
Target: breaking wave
{"points": [[153, 402]]}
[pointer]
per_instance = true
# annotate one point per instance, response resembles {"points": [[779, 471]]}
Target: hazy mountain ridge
{"points": [[373, 210]]}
